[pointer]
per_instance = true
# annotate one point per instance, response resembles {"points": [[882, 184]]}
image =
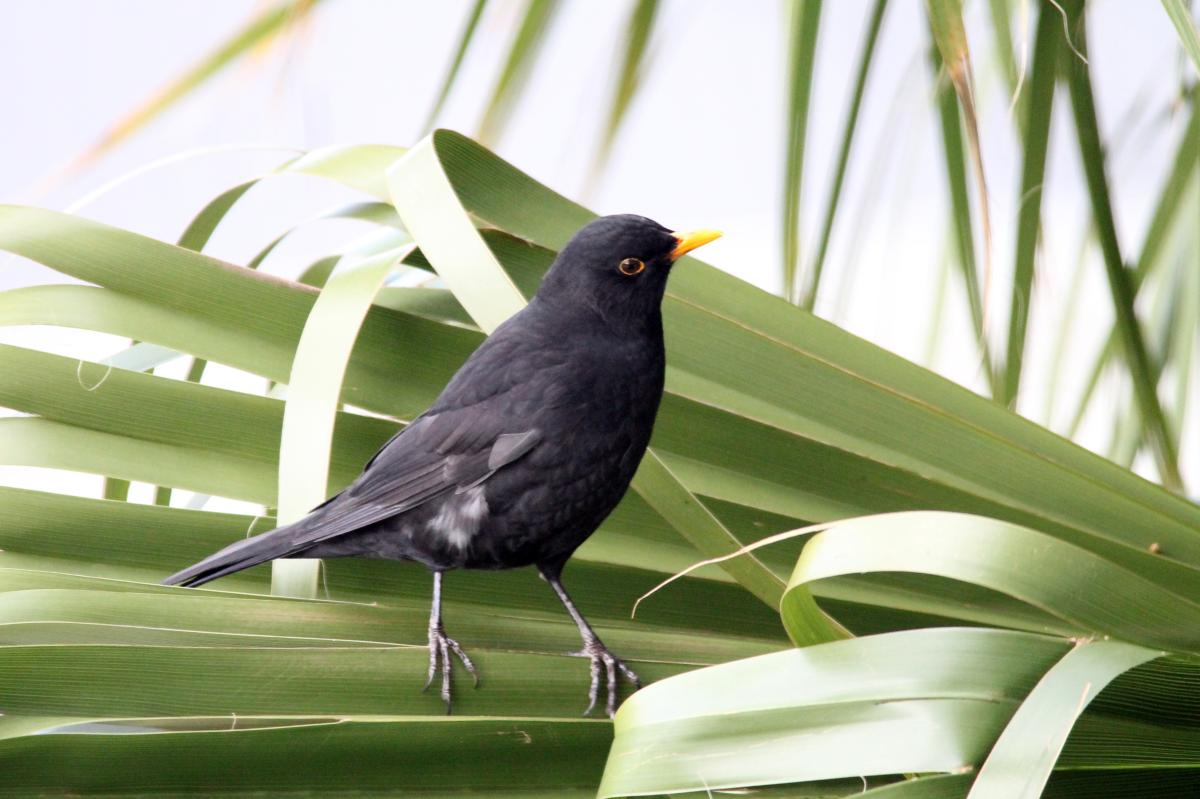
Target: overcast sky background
{"points": [[702, 145]]}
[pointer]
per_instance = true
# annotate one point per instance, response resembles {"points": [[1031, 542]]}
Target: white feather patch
{"points": [[460, 516]]}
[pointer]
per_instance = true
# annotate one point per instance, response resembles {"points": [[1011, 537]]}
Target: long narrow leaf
{"points": [[1188, 326], [314, 389], [1166, 215], [1119, 281], [813, 284], [998, 11], [1189, 37], [1033, 173], [1019, 764], [950, 38], [804, 19], [460, 52], [960, 216], [266, 25], [520, 58], [629, 76]]}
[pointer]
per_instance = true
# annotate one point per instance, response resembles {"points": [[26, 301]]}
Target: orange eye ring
{"points": [[631, 266]]}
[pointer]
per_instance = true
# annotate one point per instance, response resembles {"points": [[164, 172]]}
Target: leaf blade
{"points": [[1120, 284], [1019, 765], [1040, 106], [804, 19]]}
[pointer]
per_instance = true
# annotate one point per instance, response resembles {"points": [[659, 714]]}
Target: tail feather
{"points": [[243, 554]]}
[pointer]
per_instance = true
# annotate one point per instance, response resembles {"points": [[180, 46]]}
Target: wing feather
{"points": [[434, 455]]}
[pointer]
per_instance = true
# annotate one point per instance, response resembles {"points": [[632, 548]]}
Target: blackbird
{"points": [[527, 449]]}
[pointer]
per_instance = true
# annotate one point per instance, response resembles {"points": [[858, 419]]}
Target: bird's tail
{"points": [[243, 554]]}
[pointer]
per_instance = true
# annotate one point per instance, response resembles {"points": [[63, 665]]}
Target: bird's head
{"points": [[618, 265]]}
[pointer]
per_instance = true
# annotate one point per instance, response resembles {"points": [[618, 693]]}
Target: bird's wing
{"points": [[436, 454]]}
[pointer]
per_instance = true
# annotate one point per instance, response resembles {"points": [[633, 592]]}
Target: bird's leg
{"points": [[594, 649], [441, 645]]}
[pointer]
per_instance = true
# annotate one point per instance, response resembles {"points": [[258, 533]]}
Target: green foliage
{"points": [[971, 605], [773, 419]]}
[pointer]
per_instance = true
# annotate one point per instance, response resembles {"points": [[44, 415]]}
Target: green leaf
{"points": [[950, 38], [115, 488], [201, 228], [359, 166], [960, 217], [1187, 327], [521, 55], [196, 237], [1182, 19], [314, 389], [851, 707], [1019, 764], [927, 700], [1166, 212], [939, 786], [425, 201], [1029, 566], [813, 283], [460, 52], [629, 78], [999, 11], [41, 442], [375, 212], [1040, 105], [262, 28], [377, 754], [197, 422], [1120, 284], [249, 320], [804, 18], [1165, 218]]}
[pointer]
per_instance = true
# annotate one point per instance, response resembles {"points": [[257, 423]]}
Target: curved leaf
{"points": [[927, 700], [1020, 762], [310, 411], [1057, 577]]}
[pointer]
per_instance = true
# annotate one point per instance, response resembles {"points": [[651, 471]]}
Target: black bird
{"points": [[527, 449]]}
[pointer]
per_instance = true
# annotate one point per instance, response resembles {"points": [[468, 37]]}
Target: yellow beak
{"points": [[691, 240]]}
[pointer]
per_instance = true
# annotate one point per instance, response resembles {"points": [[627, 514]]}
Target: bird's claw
{"points": [[602, 658], [440, 647]]}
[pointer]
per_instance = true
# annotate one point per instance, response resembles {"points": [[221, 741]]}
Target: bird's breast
{"points": [[595, 430]]}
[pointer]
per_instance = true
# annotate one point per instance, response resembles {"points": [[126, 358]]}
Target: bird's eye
{"points": [[631, 266]]}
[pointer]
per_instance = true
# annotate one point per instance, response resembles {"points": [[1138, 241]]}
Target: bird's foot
{"points": [[603, 659], [440, 647]]}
